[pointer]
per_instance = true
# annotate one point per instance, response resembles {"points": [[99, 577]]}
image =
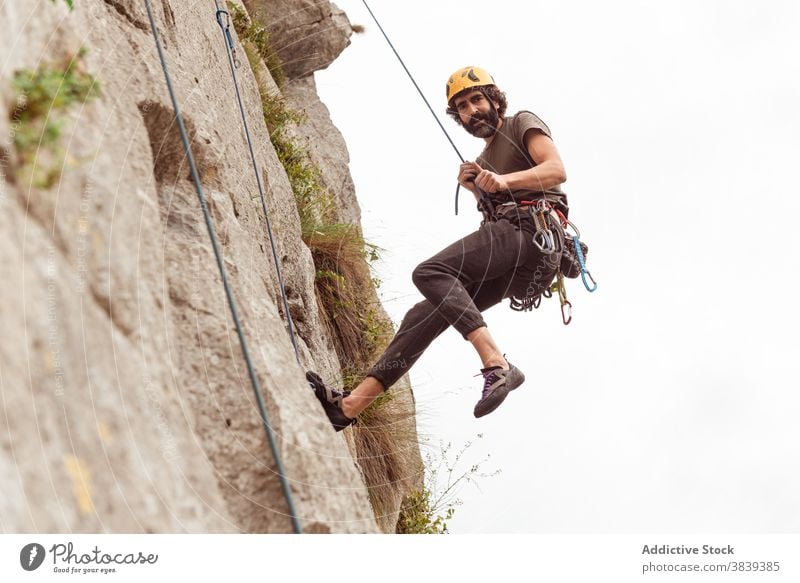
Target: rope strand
{"points": [[483, 197], [228, 40], [410, 76], [228, 292]]}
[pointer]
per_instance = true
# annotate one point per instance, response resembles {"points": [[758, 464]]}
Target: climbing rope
{"points": [[228, 292], [231, 52], [484, 203]]}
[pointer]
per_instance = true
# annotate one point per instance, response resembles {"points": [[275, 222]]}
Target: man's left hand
{"points": [[491, 182]]}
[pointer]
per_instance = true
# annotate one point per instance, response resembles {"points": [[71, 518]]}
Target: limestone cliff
{"points": [[127, 405]]}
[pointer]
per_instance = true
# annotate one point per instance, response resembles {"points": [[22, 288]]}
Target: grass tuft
{"points": [[387, 451], [258, 37]]}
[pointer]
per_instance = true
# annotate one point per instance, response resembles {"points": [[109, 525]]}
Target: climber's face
{"points": [[478, 115]]}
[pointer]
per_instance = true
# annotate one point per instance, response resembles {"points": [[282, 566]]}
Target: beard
{"points": [[486, 129]]}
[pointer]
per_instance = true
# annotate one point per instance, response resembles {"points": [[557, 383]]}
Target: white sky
{"points": [[671, 403]]}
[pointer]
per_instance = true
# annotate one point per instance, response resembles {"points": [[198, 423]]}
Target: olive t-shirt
{"points": [[507, 153]]}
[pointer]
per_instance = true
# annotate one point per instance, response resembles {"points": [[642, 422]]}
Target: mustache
{"points": [[487, 118]]}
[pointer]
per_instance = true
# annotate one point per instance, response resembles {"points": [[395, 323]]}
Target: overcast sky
{"points": [[671, 403]]}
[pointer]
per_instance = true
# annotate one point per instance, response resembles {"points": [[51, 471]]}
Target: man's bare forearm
{"points": [[541, 178]]}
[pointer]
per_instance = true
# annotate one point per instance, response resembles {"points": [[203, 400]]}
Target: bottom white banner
{"points": [[401, 558]]}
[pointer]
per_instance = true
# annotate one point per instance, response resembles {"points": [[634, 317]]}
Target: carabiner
{"points": [[544, 241], [566, 318], [226, 29], [537, 225], [227, 18], [543, 237], [582, 263], [574, 228], [584, 275]]}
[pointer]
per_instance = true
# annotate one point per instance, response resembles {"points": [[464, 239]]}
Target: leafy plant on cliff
{"points": [[427, 510], [42, 97], [418, 515]]}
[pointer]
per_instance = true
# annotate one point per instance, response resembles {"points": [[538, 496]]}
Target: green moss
{"points": [[42, 96]]}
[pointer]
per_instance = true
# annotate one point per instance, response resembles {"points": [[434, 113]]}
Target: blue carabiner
{"points": [[584, 272]]}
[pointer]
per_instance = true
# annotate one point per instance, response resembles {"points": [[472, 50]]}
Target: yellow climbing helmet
{"points": [[467, 78]]}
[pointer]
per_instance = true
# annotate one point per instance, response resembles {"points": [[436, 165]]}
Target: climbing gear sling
{"points": [[224, 275]]}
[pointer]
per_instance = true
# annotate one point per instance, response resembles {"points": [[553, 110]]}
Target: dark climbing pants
{"points": [[497, 261]]}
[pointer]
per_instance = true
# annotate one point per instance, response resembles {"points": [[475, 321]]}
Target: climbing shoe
{"points": [[331, 400], [497, 383]]}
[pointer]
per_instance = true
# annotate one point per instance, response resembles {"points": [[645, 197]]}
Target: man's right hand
{"points": [[467, 173]]}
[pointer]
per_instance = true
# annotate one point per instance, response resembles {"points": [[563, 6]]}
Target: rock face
{"points": [[307, 34], [128, 407]]}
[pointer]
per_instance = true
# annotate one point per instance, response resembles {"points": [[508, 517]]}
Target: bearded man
{"points": [[519, 169]]}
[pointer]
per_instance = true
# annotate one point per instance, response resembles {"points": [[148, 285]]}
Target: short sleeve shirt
{"points": [[507, 153]]}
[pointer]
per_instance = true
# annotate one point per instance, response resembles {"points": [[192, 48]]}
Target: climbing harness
{"points": [[231, 52], [224, 275]]}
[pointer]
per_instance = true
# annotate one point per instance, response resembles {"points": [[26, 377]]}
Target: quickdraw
{"points": [[561, 289], [585, 273], [543, 237], [541, 212], [226, 30]]}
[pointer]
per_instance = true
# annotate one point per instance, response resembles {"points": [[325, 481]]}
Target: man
{"points": [[519, 164]]}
